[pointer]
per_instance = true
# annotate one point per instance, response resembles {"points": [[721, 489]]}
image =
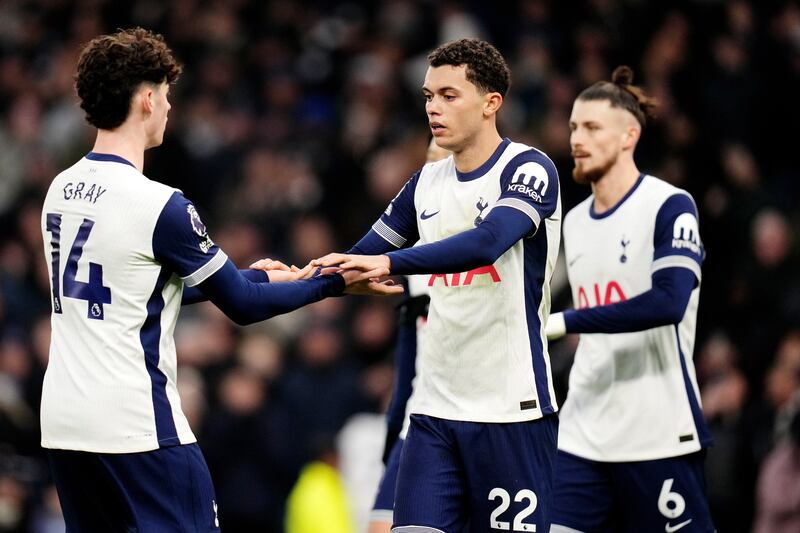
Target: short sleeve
{"points": [[181, 242], [676, 239], [529, 183], [398, 224]]}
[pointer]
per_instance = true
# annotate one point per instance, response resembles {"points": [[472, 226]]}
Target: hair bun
{"points": [[623, 75]]}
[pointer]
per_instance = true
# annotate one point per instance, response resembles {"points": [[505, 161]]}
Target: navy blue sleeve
{"points": [[405, 366], [405, 370], [245, 301], [529, 183], [467, 250], [665, 303], [193, 295], [372, 244], [405, 357], [182, 244], [676, 240], [398, 224]]}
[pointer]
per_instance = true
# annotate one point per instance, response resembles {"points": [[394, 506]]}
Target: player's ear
{"points": [[146, 97], [492, 103], [631, 137]]}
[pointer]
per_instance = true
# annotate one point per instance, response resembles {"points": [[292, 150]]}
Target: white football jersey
{"points": [[119, 249], [633, 396], [484, 357]]}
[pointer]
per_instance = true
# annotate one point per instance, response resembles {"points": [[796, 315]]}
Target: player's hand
{"points": [[555, 327], [357, 284], [268, 265], [277, 271], [373, 265]]}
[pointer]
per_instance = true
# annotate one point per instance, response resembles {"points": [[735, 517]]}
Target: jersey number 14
{"points": [[93, 292]]}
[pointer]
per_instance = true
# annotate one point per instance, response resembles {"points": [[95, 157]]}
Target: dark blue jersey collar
{"points": [[484, 168], [593, 213], [94, 156]]}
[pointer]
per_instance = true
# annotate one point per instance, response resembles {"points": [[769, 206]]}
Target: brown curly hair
{"points": [[112, 67], [486, 67], [620, 92]]}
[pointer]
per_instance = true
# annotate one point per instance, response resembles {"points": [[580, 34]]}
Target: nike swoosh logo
{"points": [[425, 216], [669, 528], [575, 259]]}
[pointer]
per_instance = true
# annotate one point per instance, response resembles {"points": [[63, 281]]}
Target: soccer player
{"points": [[482, 438], [632, 433], [120, 248], [413, 314]]}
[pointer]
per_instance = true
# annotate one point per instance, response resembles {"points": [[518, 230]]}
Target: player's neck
{"points": [[121, 142], [612, 187], [478, 151]]}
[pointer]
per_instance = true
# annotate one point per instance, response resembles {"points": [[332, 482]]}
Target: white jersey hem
{"points": [[129, 446], [533, 414], [629, 458]]}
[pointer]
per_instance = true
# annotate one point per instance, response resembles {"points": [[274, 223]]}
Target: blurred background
{"points": [[293, 126]]}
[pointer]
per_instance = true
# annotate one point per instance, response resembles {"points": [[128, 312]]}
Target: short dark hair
{"points": [[621, 93], [112, 67], [486, 67]]}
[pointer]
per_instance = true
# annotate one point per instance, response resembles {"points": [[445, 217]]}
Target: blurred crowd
{"points": [[295, 123]]}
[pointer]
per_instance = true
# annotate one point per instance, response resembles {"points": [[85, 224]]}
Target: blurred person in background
{"points": [[781, 399], [253, 483], [778, 501], [323, 369], [726, 400], [318, 501], [632, 438]]}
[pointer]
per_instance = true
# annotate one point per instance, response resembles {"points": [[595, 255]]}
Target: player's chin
{"points": [[585, 176], [444, 141]]}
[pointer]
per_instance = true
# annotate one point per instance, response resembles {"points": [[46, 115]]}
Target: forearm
{"points": [[193, 295], [246, 302], [665, 303], [465, 251]]}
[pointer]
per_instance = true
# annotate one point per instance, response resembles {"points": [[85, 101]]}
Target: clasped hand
{"points": [[358, 279]]}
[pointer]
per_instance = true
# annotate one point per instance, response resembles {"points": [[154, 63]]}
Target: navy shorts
{"points": [[467, 476], [383, 510], [167, 490], [659, 495]]}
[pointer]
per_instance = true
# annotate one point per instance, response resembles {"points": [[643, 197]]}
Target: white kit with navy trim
{"points": [[119, 248], [484, 357], [633, 396]]}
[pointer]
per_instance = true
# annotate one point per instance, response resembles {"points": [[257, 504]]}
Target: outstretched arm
{"points": [[665, 303], [193, 295], [246, 302], [467, 250], [182, 245], [523, 203], [677, 257]]}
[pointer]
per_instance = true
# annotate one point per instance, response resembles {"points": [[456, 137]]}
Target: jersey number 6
{"points": [[93, 292]]}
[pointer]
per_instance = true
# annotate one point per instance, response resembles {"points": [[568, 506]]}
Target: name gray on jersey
{"points": [[75, 191]]}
